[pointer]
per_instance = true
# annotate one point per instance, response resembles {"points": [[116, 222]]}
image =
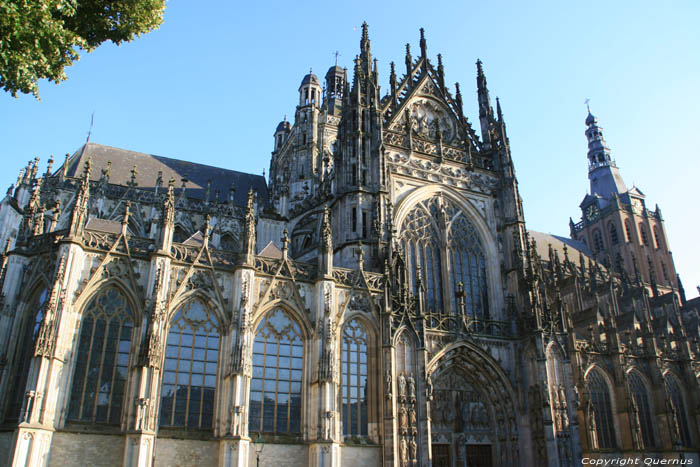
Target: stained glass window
{"points": [[468, 266], [641, 401], [421, 243], [599, 393], [189, 374], [275, 389], [23, 356], [354, 369], [103, 359]]}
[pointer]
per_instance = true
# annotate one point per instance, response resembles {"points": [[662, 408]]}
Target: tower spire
{"points": [[603, 174]]}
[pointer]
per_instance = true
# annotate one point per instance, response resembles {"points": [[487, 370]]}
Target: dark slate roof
{"points": [[544, 240], [148, 166]]}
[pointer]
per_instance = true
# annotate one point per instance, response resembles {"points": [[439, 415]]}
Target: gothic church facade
{"points": [[378, 302]]}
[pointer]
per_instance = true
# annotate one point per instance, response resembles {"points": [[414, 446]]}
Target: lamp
{"points": [[259, 445]]}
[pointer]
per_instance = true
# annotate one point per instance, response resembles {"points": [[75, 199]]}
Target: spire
{"points": [[603, 174], [482, 89], [441, 72], [409, 63]]}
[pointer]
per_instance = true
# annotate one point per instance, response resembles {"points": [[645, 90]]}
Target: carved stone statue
{"points": [[429, 389], [402, 385], [411, 387], [387, 384]]}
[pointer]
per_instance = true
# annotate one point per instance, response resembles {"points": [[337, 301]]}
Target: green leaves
{"points": [[39, 38]]}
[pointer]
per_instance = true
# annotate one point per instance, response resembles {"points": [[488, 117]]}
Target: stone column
{"points": [[47, 381], [325, 448], [234, 442]]}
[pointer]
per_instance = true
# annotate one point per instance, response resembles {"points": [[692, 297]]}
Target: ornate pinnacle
{"points": [[423, 44], [409, 62]]}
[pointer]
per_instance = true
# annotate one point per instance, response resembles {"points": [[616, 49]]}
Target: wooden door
{"points": [[479, 455], [441, 455]]}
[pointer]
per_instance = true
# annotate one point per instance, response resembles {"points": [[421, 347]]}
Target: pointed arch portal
{"points": [[472, 410]]}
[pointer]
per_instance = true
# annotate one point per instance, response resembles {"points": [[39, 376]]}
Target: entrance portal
{"points": [[441, 455]]}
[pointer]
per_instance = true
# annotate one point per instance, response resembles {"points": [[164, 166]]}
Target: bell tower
{"points": [[616, 225]]}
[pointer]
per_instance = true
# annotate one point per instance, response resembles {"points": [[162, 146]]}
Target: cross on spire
{"points": [[337, 54]]}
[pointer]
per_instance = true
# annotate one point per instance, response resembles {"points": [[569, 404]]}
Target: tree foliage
{"points": [[39, 38]]}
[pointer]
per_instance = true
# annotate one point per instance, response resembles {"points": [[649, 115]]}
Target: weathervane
{"points": [[586, 102], [337, 54]]}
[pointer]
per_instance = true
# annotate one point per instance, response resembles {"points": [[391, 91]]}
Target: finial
{"points": [[588, 107], [132, 182], [422, 43], [479, 69], [127, 213], [498, 109], [365, 33], [48, 166], [337, 54]]}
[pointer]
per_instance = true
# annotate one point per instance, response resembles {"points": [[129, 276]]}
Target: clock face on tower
{"points": [[592, 212]]}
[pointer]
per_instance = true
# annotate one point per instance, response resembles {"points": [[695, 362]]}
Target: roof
{"points": [[148, 166], [543, 241]]}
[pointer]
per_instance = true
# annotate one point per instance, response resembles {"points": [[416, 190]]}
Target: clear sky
{"points": [[213, 82]]}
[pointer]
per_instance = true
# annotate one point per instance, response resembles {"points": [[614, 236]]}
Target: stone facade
{"points": [[379, 302]]}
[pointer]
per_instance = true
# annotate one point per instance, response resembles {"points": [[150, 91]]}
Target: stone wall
{"points": [[86, 449], [364, 456], [281, 455], [186, 453]]}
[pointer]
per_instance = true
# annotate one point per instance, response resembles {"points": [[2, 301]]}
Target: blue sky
{"points": [[213, 82]]}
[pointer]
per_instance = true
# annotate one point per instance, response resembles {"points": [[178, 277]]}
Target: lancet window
{"points": [[468, 266], [29, 330], [677, 412], [422, 244], [613, 234], [600, 420], [275, 389], [354, 371], [189, 374], [102, 359], [641, 409]]}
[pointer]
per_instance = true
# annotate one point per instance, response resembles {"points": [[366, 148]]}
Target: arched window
{"points": [[467, 264], [189, 373], [599, 394], [275, 389], [678, 413], [354, 370], [598, 245], [179, 234], [657, 237], [228, 242], [421, 243], [613, 233], [29, 329], [103, 359], [628, 231], [643, 234], [643, 408]]}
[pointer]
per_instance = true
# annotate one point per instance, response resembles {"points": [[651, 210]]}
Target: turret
{"points": [[310, 90], [335, 86], [281, 133]]}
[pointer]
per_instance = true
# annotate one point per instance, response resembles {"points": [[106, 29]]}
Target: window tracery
{"points": [[103, 359], [189, 373], [641, 410], [275, 388], [435, 234], [599, 412], [677, 411], [24, 352], [355, 381]]}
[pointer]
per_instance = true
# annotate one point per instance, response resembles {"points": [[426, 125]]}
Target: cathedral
{"points": [[378, 301]]}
